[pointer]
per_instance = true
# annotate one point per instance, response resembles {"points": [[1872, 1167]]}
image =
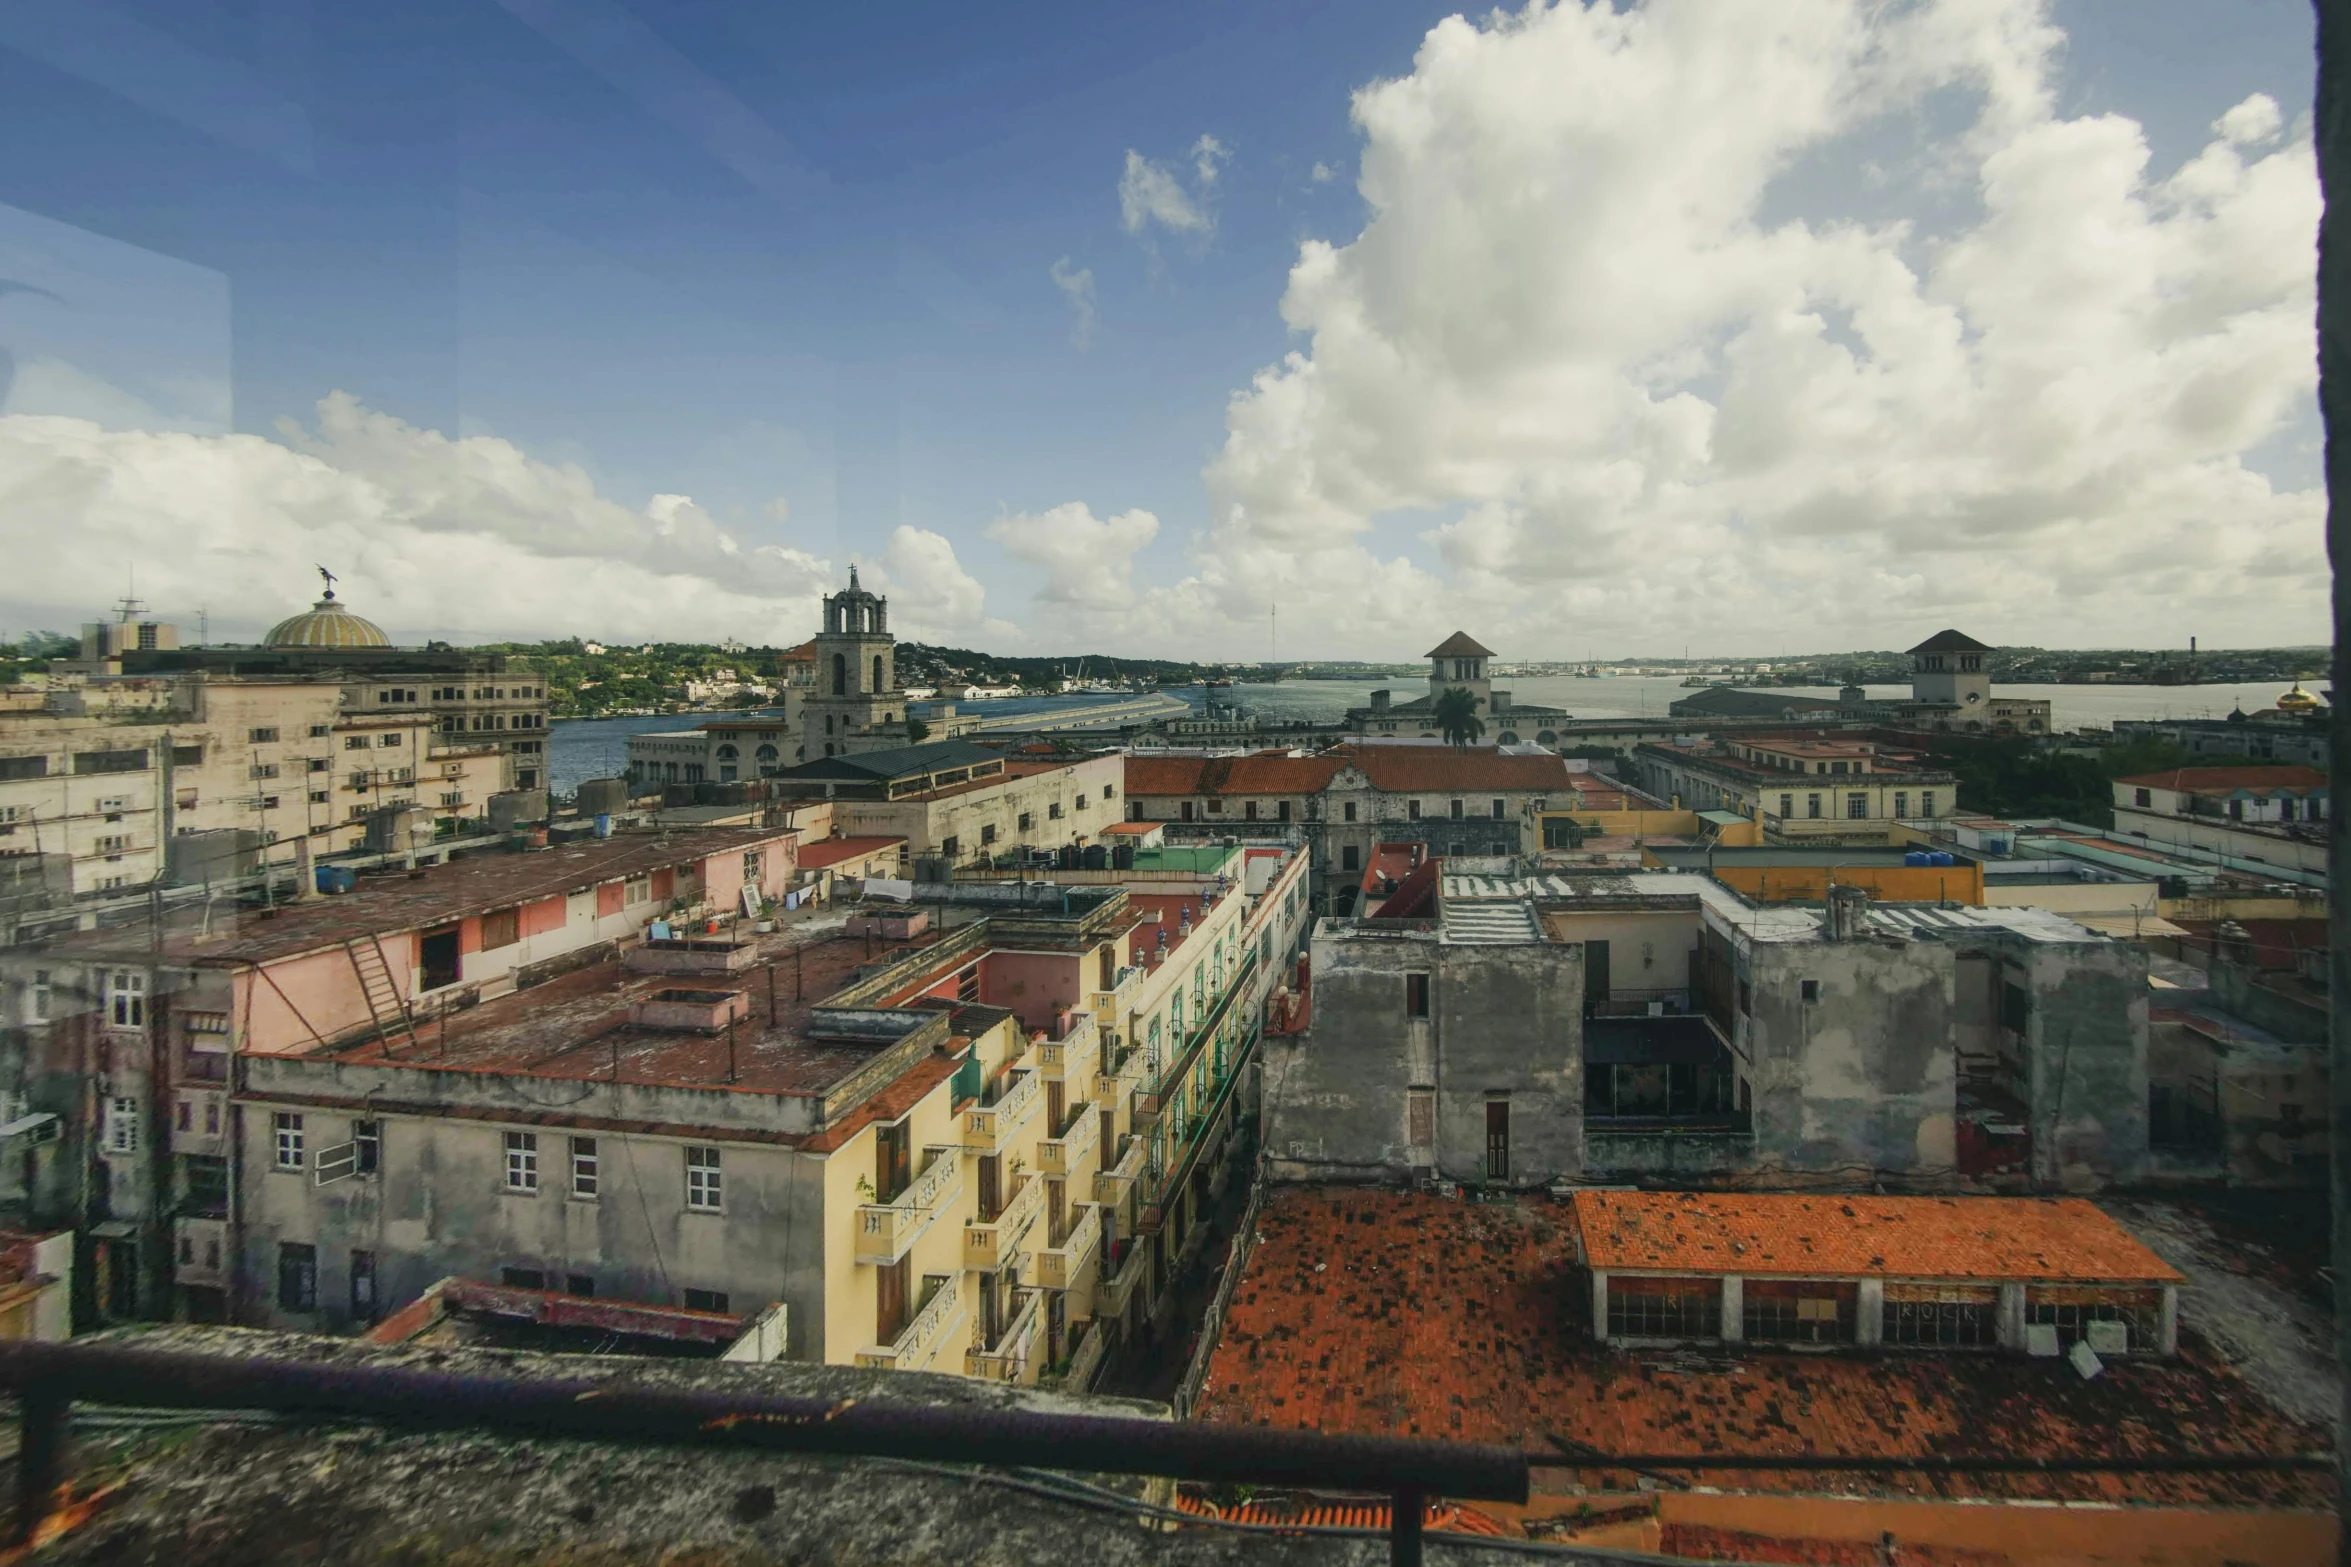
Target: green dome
{"points": [[326, 624]]}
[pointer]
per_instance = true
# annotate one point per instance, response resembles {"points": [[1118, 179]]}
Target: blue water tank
{"points": [[1918, 857], [336, 878], [1941, 857]]}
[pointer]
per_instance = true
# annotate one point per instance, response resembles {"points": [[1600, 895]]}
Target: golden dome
{"points": [[2298, 701], [326, 624]]}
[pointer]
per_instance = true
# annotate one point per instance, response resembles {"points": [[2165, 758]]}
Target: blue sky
{"points": [[752, 254]]}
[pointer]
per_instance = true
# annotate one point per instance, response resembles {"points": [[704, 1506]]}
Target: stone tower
{"points": [[856, 704]]}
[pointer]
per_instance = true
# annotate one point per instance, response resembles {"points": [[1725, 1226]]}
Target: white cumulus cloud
{"points": [[1640, 355], [1088, 562], [461, 538], [931, 596]]}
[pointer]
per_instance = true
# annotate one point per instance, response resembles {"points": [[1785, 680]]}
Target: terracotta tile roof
{"points": [[1403, 769], [1459, 645], [1763, 1233], [1401, 1314], [1417, 769], [2229, 780], [832, 851], [1260, 773]]}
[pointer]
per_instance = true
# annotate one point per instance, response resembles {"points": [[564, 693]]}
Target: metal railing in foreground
{"points": [[49, 1378]]}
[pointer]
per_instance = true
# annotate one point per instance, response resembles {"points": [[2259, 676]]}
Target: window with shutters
{"points": [[1421, 1105], [501, 928]]}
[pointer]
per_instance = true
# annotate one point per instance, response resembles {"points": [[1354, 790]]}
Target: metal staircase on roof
{"points": [[387, 1008]]}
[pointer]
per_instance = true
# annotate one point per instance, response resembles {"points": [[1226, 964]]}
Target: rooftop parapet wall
{"points": [[717, 1108]]}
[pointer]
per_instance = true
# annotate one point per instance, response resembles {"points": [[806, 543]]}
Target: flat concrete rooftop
{"points": [[437, 895], [577, 1027]]}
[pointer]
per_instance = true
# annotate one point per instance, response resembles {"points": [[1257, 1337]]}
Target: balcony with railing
{"points": [[1066, 1150], [1119, 1074], [1110, 1005], [1007, 1359], [937, 1325], [1003, 1108], [1072, 1056], [1114, 1183], [1124, 1279], [1065, 1266], [886, 1231], [1622, 1002], [995, 1243]]}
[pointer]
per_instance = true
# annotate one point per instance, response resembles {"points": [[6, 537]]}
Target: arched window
{"points": [[726, 753], [878, 683], [766, 753], [840, 675]]}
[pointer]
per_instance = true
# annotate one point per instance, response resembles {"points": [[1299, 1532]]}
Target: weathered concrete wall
{"points": [[1335, 1096], [1505, 1021], [2086, 1061], [1510, 1023], [438, 1205], [2238, 988], [1864, 1074]]}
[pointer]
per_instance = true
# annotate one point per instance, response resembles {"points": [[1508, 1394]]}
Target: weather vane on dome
{"points": [[329, 579]]}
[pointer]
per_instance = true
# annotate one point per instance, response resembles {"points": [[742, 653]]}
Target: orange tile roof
{"points": [[2228, 780], [1261, 773], [1765, 1233], [1403, 769], [1392, 1313], [832, 851], [1418, 769]]}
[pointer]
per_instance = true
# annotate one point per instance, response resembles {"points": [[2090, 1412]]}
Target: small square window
{"points": [[706, 1300], [1810, 989]]}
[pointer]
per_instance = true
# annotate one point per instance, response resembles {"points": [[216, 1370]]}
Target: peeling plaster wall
{"points": [[1510, 1021], [1334, 1097], [1505, 1019], [2086, 1061], [1865, 1074], [439, 1207]]}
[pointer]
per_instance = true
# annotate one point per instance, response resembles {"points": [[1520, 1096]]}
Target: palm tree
{"points": [[1456, 713]]}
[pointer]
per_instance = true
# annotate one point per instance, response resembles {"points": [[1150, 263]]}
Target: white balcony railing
{"points": [[887, 1231], [918, 1344]]}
